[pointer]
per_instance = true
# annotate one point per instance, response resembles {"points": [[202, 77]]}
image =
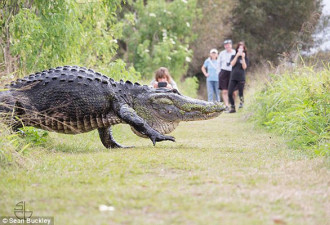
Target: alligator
{"points": [[73, 100]]}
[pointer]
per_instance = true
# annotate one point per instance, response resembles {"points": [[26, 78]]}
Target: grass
{"points": [[296, 104], [222, 171]]}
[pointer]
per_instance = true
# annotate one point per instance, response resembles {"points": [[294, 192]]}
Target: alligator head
{"points": [[164, 109]]}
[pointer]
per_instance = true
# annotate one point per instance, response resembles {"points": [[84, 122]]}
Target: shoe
{"points": [[232, 110], [241, 105], [227, 109]]}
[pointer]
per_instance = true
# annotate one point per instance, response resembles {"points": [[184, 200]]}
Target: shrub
{"points": [[158, 33], [296, 104]]}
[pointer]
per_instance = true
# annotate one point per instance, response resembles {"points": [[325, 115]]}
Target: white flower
{"points": [[152, 14], [147, 50], [188, 24], [169, 58], [172, 41], [188, 59], [185, 1], [164, 33], [104, 208]]}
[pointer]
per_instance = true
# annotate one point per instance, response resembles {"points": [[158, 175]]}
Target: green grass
{"points": [[296, 104], [221, 171]]}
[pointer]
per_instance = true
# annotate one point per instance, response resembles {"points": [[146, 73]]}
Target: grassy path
{"points": [[222, 171]]}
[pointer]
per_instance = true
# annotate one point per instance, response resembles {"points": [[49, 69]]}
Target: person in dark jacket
{"points": [[239, 63]]}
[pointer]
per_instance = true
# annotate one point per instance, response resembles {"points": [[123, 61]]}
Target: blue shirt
{"points": [[212, 67]]}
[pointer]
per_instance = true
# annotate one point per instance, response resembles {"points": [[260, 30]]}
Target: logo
{"points": [[24, 216], [20, 211]]}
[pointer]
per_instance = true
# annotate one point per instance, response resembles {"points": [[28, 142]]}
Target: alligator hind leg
{"points": [[107, 139]]}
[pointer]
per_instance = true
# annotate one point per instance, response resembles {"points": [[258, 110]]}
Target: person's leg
{"points": [[217, 91], [224, 94], [235, 94], [219, 87], [231, 89], [225, 84], [209, 91], [241, 85]]}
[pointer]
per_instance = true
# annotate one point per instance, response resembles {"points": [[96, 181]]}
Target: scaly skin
{"points": [[75, 100]]}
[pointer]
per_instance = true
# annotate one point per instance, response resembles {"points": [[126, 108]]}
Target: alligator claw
{"points": [[155, 139], [170, 138]]}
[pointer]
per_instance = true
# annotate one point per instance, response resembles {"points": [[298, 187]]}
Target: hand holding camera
{"points": [[162, 84], [240, 52]]}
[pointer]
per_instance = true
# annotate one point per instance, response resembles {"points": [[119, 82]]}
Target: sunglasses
{"points": [[227, 42]]}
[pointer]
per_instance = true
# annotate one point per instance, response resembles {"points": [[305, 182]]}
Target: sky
{"points": [[326, 9], [325, 34]]}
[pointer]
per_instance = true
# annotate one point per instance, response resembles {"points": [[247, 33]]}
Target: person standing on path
{"points": [[211, 70], [225, 70], [239, 62]]}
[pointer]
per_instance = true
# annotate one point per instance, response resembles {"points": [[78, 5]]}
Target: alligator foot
{"points": [[107, 139], [127, 114], [161, 137]]}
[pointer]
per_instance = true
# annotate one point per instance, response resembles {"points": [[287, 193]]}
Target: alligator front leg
{"points": [[107, 139], [129, 115]]}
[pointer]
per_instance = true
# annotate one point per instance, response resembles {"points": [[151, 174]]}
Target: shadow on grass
{"points": [[89, 143]]}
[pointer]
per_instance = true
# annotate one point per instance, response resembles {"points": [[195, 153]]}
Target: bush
{"points": [[296, 104], [158, 33], [13, 146]]}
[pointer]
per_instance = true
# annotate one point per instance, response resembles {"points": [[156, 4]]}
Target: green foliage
{"points": [[34, 136], [189, 87], [52, 33], [271, 28], [296, 105], [14, 145], [117, 70], [158, 34]]}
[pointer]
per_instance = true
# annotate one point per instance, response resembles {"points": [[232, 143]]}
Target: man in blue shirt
{"points": [[211, 70]]}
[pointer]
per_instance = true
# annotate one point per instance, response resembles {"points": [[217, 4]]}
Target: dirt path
{"points": [[222, 171]]}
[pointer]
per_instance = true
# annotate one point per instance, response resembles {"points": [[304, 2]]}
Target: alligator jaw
{"points": [[195, 109], [172, 107]]}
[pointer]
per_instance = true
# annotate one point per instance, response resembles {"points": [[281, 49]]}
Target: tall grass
{"points": [[11, 147], [295, 103]]}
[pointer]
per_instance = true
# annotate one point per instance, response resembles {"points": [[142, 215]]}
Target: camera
{"points": [[162, 84], [228, 63]]}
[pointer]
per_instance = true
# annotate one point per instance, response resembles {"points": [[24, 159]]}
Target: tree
{"points": [[270, 28], [8, 9], [158, 33], [48, 33]]}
